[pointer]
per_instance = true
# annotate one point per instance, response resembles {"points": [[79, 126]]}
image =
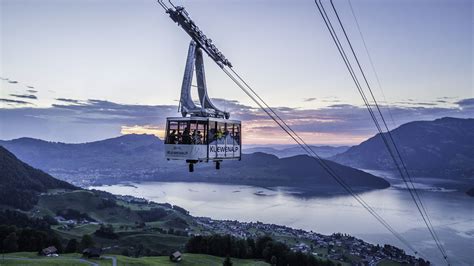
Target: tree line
{"points": [[264, 248], [18, 232]]}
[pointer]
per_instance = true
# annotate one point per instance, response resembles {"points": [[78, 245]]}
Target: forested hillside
{"points": [[20, 183]]}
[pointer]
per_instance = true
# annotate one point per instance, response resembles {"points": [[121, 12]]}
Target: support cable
{"points": [[383, 95], [285, 127], [423, 211], [371, 62], [163, 5], [414, 194]]}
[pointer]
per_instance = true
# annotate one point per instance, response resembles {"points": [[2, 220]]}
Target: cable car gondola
{"points": [[203, 133], [201, 139]]}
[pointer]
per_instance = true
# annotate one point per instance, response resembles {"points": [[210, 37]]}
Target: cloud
{"points": [[466, 103], [9, 101], [341, 106], [93, 111], [411, 102], [24, 96], [75, 123], [32, 91], [343, 121], [73, 120], [67, 100], [309, 99]]}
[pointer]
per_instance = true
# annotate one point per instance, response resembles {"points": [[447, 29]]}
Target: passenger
{"points": [[172, 137], [186, 136], [212, 135], [199, 137], [179, 139], [219, 134], [194, 137], [237, 137]]}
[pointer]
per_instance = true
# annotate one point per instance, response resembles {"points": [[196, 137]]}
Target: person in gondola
{"points": [[172, 137], [219, 134], [186, 136], [194, 137], [199, 137], [237, 137], [212, 135]]}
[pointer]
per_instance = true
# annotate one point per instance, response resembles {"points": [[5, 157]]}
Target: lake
{"points": [[451, 211]]}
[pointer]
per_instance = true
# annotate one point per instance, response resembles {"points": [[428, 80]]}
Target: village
{"points": [[338, 247]]}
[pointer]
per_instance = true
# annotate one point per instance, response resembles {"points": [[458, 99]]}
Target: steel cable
{"points": [[413, 192]]}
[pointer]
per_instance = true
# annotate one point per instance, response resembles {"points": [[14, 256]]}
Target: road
{"points": [[114, 260]]}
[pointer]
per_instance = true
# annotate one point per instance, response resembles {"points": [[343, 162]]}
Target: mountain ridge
{"points": [[20, 184], [438, 148], [324, 151], [141, 158]]}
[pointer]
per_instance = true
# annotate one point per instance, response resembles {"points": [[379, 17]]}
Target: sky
{"points": [[86, 70]]}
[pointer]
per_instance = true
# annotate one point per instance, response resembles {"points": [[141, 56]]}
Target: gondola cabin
{"points": [[204, 132], [202, 139]]}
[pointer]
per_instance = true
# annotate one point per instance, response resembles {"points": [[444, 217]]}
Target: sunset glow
{"points": [[146, 129], [264, 134]]}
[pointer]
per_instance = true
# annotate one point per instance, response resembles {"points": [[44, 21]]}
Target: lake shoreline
{"points": [[336, 213]]}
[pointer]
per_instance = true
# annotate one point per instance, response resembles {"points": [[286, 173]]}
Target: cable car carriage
{"points": [[201, 139], [203, 133]]}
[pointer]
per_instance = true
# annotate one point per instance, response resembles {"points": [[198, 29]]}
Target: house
{"points": [[51, 251], [92, 252], [175, 257], [59, 219]]}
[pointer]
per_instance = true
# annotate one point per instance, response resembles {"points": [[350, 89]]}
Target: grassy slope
{"points": [[73, 259], [44, 262], [188, 259], [86, 202], [31, 258]]}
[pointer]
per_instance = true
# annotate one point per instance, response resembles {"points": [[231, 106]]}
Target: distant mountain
{"points": [[440, 148], [133, 150], [323, 151], [141, 158], [20, 184], [301, 172]]}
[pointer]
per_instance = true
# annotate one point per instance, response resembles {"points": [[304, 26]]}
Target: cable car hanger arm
{"points": [[179, 15]]}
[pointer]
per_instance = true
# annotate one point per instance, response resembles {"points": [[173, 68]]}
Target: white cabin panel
{"points": [[186, 152]]}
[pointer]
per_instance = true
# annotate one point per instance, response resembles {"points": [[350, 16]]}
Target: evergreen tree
{"points": [[227, 262], [10, 243], [72, 246], [125, 252], [56, 242], [86, 242]]}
